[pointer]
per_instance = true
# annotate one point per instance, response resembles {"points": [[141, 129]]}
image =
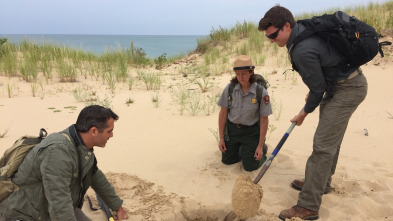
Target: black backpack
{"points": [[355, 39]]}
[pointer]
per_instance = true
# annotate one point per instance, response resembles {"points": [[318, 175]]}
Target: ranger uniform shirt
{"points": [[244, 108]]}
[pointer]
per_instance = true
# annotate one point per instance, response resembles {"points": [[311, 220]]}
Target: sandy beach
{"points": [[166, 165]]}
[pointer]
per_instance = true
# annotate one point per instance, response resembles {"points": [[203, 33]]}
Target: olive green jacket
{"points": [[49, 178]]}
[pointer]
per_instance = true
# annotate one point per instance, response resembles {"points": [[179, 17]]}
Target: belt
{"points": [[352, 75], [241, 125]]}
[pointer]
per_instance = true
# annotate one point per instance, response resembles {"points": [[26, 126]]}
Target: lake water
{"points": [[153, 45]]}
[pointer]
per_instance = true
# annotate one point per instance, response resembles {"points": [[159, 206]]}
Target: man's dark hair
{"points": [[251, 80], [94, 116], [276, 16]]}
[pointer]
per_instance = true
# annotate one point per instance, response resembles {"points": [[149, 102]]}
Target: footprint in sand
{"points": [[357, 187], [283, 161]]}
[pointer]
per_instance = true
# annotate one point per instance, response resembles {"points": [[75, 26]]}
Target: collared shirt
{"points": [[244, 108], [318, 63]]}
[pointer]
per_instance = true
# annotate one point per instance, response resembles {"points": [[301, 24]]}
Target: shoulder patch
{"points": [[266, 99]]}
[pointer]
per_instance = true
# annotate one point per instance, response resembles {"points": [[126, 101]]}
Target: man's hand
{"points": [[221, 146], [121, 214], [299, 118]]}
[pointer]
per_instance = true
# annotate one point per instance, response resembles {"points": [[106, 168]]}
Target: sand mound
{"points": [[144, 200], [246, 197]]}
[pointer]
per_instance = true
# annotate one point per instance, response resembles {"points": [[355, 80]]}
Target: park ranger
{"points": [[243, 118]]}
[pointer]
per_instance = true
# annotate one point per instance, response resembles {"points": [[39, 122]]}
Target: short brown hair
{"points": [[276, 16], [94, 116]]}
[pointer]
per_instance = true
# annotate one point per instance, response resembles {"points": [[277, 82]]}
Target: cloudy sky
{"points": [[144, 17]]}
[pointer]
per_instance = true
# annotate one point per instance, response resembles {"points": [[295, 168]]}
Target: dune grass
{"points": [[29, 60], [249, 41]]}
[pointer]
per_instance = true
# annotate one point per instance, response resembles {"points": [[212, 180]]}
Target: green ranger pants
{"points": [[333, 120], [241, 144]]}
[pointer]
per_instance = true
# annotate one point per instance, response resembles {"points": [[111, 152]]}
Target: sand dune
{"points": [[166, 166]]}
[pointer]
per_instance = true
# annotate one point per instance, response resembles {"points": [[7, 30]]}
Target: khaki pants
{"points": [[80, 216], [333, 120]]}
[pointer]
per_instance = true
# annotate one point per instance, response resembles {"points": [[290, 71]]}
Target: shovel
{"points": [[90, 203], [268, 162], [104, 208]]}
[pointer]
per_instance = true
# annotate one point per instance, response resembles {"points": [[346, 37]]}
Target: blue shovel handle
{"points": [[104, 208], [267, 163]]}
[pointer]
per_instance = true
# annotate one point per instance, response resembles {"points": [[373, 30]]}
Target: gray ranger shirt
{"points": [[245, 106]]}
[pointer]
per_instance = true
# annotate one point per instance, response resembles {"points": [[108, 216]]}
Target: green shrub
{"points": [[160, 61]]}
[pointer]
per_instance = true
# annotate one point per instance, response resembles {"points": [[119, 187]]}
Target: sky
{"points": [[145, 17]]}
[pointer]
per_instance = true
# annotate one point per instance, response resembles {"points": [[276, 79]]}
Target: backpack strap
{"points": [[384, 43], [73, 134], [290, 51], [259, 94], [230, 97], [43, 133]]}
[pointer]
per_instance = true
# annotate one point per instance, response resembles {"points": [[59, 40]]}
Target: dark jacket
{"points": [[55, 175], [318, 64]]}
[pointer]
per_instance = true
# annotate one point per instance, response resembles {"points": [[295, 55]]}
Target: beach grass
{"points": [[151, 80], [27, 58], [129, 101], [114, 68], [10, 88], [204, 83], [195, 104], [156, 99], [180, 96]]}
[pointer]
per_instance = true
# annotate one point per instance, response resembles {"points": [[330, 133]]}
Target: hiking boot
{"points": [[298, 185], [299, 212]]}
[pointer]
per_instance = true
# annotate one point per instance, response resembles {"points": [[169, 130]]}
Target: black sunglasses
{"points": [[273, 35]]}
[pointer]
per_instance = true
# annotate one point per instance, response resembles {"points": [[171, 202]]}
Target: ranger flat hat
{"points": [[243, 62]]}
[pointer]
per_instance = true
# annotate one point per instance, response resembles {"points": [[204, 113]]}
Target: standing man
{"points": [[55, 175], [245, 108], [337, 90]]}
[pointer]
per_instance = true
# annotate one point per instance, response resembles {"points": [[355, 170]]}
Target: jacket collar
{"points": [[298, 28], [76, 137]]}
